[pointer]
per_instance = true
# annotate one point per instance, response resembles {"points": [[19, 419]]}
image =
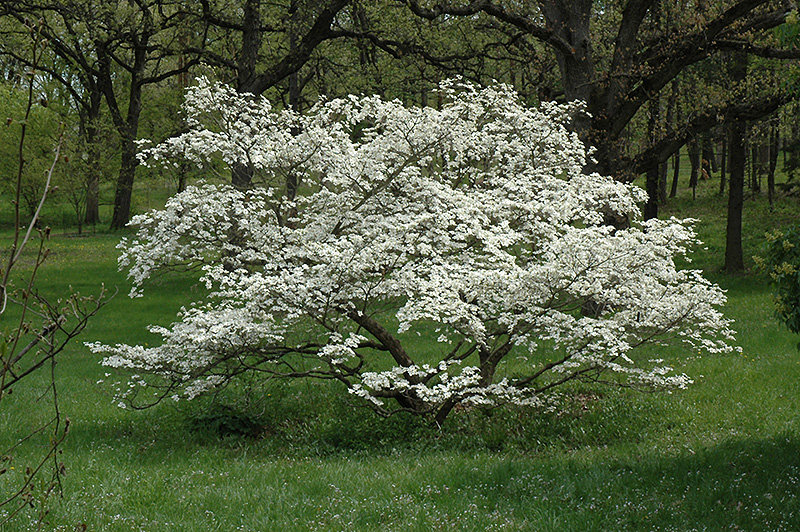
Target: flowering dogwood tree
{"points": [[374, 224]]}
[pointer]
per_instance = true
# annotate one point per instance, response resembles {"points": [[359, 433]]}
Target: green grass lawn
{"points": [[722, 455]]}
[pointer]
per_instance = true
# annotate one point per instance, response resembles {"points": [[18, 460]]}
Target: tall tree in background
{"points": [[115, 48], [734, 256], [38, 328], [416, 53], [294, 30], [73, 65], [607, 59], [145, 51], [617, 58]]}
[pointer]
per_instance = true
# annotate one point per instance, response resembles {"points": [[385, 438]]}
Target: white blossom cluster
{"points": [[370, 223]]}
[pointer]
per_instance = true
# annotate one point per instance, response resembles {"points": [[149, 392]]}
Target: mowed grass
{"points": [[722, 455]]}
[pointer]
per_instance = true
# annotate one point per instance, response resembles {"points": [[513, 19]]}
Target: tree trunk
{"points": [[93, 151], [723, 171], [443, 411], [734, 256], [129, 130], [183, 83], [662, 183], [92, 215], [676, 170], [183, 176], [241, 175], [651, 186], [124, 190], [676, 157], [251, 44], [708, 161], [669, 123], [755, 166], [653, 176], [774, 143], [246, 77], [570, 21], [695, 160]]}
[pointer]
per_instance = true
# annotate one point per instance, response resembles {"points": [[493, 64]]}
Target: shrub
{"points": [[781, 261], [369, 224]]}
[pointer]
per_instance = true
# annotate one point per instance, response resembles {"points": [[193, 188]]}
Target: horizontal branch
{"points": [[769, 52], [672, 142], [476, 6]]}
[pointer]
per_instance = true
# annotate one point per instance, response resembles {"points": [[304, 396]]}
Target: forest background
{"points": [[714, 81]]}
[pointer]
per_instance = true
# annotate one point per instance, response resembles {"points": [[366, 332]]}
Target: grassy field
{"points": [[723, 455]]}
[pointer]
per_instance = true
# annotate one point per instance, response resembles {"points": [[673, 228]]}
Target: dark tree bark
{"points": [[251, 47], [126, 122], [676, 169], [139, 51], [246, 63], [251, 27], [709, 159], [674, 117], [723, 173], [653, 175], [734, 256], [321, 30], [774, 146], [755, 164], [92, 215], [695, 161]]}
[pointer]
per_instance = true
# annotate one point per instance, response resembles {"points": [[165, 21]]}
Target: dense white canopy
{"points": [[370, 221]]}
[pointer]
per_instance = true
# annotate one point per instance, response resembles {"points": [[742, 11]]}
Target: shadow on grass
{"points": [[742, 484]]}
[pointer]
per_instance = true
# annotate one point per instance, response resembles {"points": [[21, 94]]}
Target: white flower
{"points": [[373, 219]]}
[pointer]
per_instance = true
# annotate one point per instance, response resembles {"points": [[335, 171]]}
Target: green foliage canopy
{"points": [[781, 261]]}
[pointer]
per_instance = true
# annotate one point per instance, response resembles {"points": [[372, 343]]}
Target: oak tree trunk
{"points": [[734, 256]]}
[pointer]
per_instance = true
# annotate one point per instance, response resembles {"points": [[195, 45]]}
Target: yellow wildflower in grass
{"points": [[772, 236], [786, 268]]}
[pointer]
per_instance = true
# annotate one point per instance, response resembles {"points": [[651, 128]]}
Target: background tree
{"points": [[42, 136], [114, 49], [145, 49], [73, 64], [780, 262], [294, 30], [611, 58]]}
